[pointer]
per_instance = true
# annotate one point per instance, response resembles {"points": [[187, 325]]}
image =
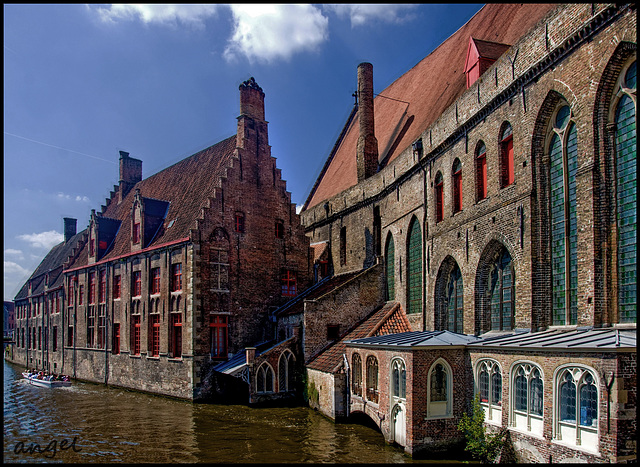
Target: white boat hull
{"points": [[45, 384]]}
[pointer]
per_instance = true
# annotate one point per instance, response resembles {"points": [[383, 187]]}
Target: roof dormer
{"points": [[102, 234], [147, 218], [480, 56]]}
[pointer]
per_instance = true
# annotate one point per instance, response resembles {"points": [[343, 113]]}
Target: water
{"points": [[116, 425]]}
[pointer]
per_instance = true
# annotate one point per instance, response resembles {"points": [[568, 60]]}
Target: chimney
{"points": [[70, 226], [130, 174], [367, 149], [251, 100]]}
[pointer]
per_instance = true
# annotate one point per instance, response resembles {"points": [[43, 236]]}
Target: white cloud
{"points": [[45, 240], [360, 14], [193, 15], [14, 253], [65, 197], [14, 270], [271, 32]]}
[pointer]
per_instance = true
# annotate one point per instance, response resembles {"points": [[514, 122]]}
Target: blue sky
{"points": [[82, 82]]}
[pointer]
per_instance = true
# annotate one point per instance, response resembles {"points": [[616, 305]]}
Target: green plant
{"points": [[482, 446]]}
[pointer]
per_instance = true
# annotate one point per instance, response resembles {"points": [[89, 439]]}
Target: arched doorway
{"points": [[398, 425]]}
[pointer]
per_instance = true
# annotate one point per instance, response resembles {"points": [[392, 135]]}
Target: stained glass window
{"points": [[568, 399], [455, 301], [627, 196], [588, 402], [439, 383], [356, 374], [483, 383], [496, 386], [414, 269], [501, 292], [390, 262]]}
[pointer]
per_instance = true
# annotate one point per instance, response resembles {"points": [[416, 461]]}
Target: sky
{"points": [[83, 82]]}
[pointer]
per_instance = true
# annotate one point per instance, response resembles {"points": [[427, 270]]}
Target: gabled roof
{"points": [[51, 264], [175, 196], [388, 318], [429, 88], [483, 49]]}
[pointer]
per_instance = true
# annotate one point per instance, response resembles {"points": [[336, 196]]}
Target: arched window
{"points": [[455, 292], [527, 395], [481, 171], [356, 374], [502, 292], [439, 196], [563, 152], [264, 379], [398, 379], [489, 387], [456, 185], [577, 407], [507, 175], [414, 268], [389, 255], [626, 168], [285, 371], [372, 379], [440, 391]]}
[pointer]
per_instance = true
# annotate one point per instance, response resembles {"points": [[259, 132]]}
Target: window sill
{"points": [[174, 359], [157, 358], [429, 418], [137, 356], [527, 433], [482, 201], [576, 447]]}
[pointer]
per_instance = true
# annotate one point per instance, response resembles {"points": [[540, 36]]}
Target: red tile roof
{"points": [[430, 87], [389, 319], [186, 185]]}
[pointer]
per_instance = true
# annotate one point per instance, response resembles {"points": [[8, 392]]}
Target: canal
{"points": [[94, 423]]}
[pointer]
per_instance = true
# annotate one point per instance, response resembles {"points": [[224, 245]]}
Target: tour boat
{"points": [[44, 383]]}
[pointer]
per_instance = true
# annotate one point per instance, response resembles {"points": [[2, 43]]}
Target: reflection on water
{"points": [[116, 425]]}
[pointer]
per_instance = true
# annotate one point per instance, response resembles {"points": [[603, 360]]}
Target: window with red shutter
{"points": [[457, 185], [439, 187], [506, 156]]}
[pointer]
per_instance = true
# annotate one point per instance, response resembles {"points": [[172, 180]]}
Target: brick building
{"points": [[176, 272], [495, 182]]}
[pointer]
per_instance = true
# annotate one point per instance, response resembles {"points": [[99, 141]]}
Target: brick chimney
{"points": [[130, 174], [70, 228], [367, 149], [251, 100], [250, 355]]}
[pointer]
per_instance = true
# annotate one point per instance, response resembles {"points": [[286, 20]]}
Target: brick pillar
{"points": [[130, 174], [70, 228], [367, 149]]}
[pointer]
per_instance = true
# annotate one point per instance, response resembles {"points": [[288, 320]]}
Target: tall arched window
{"points": [[456, 185], [440, 391], [372, 379], [439, 196], [481, 171], [527, 398], [502, 292], [285, 371], [489, 386], [264, 379], [507, 175], [563, 153], [414, 268], [356, 374], [398, 379], [626, 168], [455, 293], [576, 417], [389, 255]]}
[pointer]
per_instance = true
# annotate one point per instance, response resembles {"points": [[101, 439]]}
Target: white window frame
{"points": [[492, 410], [525, 422], [443, 409], [573, 434]]}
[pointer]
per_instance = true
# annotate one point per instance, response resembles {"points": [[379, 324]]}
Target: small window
{"points": [[218, 332], [289, 284], [279, 229], [135, 334], [155, 281], [239, 222], [333, 332], [528, 397], [440, 391], [136, 232], [264, 380], [439, 195], [176, 335], [116, 287], [577, 408], [356, 374], [136, 283], [372, 379], [92, 287], [398, 379], [176, 277], [507, 176], [102, 287], [343, 246], [481, 171], [154, 338], [55, 339], [115, 347], [456, 176]]}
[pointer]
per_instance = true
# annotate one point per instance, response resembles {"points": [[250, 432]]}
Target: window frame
{"points": [[440, 408], [526, 421], [507, 156], [154, 282], [265, 371], [218, 335], [481, 171], [456, 185], [176, 277], [372, 379], [356, 374], [289, 283], [136, 283], [439, 196], [492, 407]]}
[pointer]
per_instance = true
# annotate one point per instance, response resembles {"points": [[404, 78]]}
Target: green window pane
{"points": [[414, 273], [390, 260]]}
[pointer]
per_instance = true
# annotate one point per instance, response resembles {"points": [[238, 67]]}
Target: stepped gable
{"points": [[187, 186], [429, 87], [52, 264], [388, 319]]}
